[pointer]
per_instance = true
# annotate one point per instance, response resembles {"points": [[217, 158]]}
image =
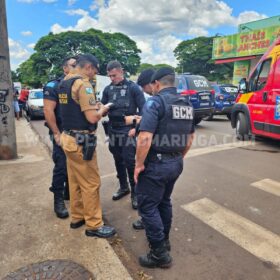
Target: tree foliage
{"points": [[50, 51], [195, 56], [144, 66]]}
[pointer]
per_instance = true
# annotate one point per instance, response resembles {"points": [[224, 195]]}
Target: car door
{"points": [[260, 84], [273, 102]]}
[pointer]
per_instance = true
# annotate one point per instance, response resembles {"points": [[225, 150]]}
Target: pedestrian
{"points": [[166, 134], [23, 96], [128, 100], [15, 103], [59, 185], [80, 114]]}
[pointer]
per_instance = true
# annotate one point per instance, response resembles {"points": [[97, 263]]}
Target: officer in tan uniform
{"points": [[80, 113]]}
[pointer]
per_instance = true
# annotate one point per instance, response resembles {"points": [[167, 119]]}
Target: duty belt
{"points": [[74, 133], [158, 156]]}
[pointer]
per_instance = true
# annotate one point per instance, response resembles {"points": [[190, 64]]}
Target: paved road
{"points": [[226, 209]]}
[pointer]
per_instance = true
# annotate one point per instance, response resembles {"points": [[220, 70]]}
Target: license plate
{"points": [[204, 97], [204, 104]]}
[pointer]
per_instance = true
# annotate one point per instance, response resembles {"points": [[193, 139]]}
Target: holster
{"points": [[88, 142], [106, 127]]}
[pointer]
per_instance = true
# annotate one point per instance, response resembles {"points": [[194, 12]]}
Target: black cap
{"points": [[90, 58], [162, 72], [145, 77]]}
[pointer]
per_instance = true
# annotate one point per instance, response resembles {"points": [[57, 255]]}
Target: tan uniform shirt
{"points": [[83, 92]]}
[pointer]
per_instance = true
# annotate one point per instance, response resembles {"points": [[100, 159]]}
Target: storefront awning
{"points": [[228, 60]]}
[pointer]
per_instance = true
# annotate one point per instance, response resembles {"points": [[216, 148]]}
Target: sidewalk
{"points": [[29, 229]]}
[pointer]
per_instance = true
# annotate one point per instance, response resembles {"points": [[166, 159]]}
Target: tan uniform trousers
{"points": [[84, 184]]}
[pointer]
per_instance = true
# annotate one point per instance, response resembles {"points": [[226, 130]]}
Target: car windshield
{"points": [[229, 90], [198, 83], [36, 95]]}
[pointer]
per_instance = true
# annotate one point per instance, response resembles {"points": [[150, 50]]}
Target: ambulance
{"points": [[257, 108]]}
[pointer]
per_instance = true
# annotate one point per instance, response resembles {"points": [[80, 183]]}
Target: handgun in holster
{"points": [[88, 142]]}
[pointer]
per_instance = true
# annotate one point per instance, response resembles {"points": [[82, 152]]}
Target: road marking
{"points": [[268, 185], [248, 235], [218, 148]]}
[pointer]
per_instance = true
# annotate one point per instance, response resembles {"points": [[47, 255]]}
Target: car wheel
{"points": [[229, 116], [242, 129], [197, 120], [209, 118]]}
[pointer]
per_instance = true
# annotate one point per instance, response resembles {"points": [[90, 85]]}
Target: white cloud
{"points": [[248, 16], [79, 12], [18, 53], [71, 2], [26, 33], [156, 28], [31, 46]]}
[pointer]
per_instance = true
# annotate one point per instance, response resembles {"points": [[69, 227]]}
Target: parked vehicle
{"points": [[35, 105], [200, 93], [257, 108], [225, 96]]}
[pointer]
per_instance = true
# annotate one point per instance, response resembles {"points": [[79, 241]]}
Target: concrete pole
{"points": [[8, 148]]}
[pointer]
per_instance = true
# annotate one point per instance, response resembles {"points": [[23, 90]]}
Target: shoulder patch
{"points": [[89, 90], [92, 101], [51, 84]]}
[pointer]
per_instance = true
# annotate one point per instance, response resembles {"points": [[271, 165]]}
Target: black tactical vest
{"points": [[119, 96], [72, 116], [175, 125]]}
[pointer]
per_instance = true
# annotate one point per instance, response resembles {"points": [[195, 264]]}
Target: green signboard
{"points": [[240, 70], [244, 44]]}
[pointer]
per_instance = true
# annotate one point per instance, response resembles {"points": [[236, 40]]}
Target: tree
{"points": [[50, 51], [195, 56], [144, 66]]}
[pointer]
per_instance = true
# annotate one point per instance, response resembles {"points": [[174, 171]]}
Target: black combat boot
{"points": [[157, 257], [59, 206], [121, 192], [134, 203]]}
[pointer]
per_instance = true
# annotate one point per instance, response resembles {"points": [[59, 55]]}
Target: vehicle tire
{"points": [[209, 118], [229, 116], [242, 129], [197, 121]]}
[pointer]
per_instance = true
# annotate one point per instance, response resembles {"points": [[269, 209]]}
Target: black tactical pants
{"points": [[153, 192], [123, 149]]}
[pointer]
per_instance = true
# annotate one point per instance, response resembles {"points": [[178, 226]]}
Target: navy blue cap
{"points": [[89, 58], [145, 77], [162, 72]]}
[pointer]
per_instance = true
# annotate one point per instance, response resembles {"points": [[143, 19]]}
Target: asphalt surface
{"points": [[225, 217]]}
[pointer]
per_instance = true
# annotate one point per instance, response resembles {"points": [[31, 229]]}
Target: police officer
{"points": [[59, 185], [166, 133], [127, 99], [80, 114]]}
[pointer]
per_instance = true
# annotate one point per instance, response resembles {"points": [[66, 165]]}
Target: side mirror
{"points": [[243, 86]]}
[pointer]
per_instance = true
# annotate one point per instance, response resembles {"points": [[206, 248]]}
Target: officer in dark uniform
{"points": [[59, 185], [127, 99], [166, 133]]}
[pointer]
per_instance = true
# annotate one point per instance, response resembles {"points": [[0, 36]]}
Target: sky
{"points": [[156, 26]]}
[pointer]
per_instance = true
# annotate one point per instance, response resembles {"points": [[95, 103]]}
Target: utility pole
{"points": [[8, 148]]}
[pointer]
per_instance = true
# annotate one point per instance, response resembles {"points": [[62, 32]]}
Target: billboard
{"points": [[254, 42]]}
